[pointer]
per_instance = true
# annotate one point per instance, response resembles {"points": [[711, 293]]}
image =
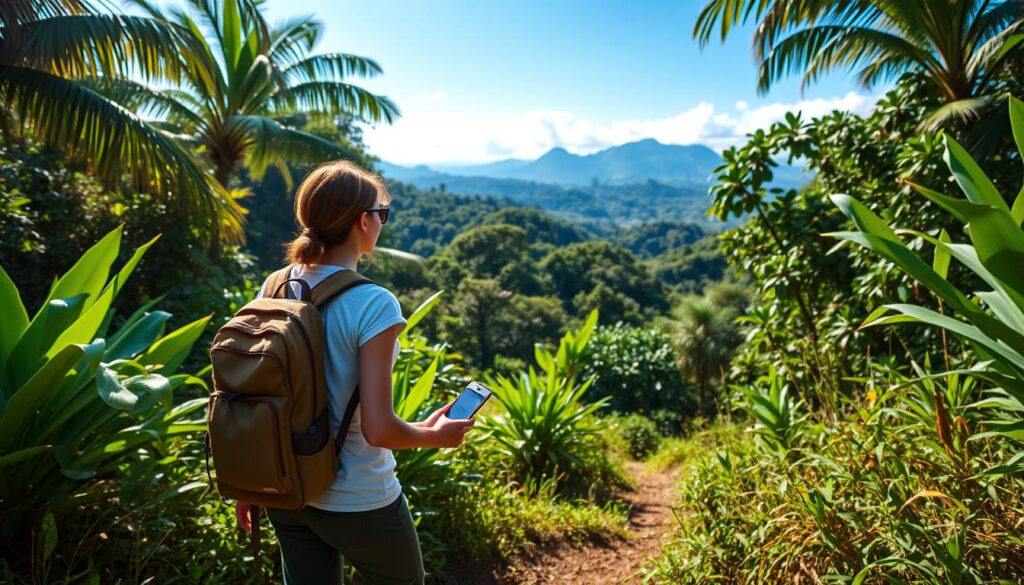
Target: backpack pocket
{"points": [[316, 457], [249, 437]]}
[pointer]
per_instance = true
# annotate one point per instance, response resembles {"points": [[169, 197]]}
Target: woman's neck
{"points": [[345, 255]]}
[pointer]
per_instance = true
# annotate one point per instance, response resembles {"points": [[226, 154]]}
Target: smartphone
{"points": [[469, 402]]}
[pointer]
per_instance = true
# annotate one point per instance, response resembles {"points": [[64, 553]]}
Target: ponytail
{"points": [[306, 248]]}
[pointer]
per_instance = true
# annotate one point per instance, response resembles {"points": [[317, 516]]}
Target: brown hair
{"points": [[328, 203]]}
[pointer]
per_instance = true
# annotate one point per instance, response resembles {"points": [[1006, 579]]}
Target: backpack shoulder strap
{"points": [[323, 293], [274, 282], [334, 285]]}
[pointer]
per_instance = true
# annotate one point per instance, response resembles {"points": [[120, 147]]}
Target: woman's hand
{"points": [[242, 515], [434, 416], [448, 432]]}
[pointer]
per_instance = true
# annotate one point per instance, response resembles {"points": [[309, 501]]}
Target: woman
{"points": [[363, 515]]}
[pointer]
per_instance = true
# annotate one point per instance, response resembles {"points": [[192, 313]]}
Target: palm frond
{"points": [[293, 39], [25, 11], [115, 141], [102, 44], [818, 49], [957, 112], [335, 97], [267, 141], [986, 59], [252, 87], [332, 66], [145, 100], [726, 14]]}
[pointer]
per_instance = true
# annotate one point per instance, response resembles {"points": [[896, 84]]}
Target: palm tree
{"points": [[706, 340], [250, 77], [960, 48], [54, 55]]}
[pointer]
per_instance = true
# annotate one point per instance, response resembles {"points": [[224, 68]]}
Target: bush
{"points": [[80, 400], [541, 423], [640, 434], [635, 367], [875, 495]]}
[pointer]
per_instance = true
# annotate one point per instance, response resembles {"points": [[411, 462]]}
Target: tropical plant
{"points": [[541, 422], [54, 55], [961, 49], [78, 399], [248, 77], [992, 324], [639, 433], [414, 395], [706, 341], [636, 368]]}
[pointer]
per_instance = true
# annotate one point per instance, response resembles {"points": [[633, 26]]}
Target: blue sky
{"points": [[484, 80]]}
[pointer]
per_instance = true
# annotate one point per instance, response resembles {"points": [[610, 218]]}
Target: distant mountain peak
{"points": [[633, 162]]}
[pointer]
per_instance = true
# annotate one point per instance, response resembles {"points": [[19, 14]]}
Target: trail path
{"points": [[617, 561]]}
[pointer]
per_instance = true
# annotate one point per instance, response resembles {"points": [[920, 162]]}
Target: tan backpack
{"points": [[268, 423]]}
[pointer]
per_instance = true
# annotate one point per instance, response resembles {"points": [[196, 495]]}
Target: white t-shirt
{"points": [[366, 478]]}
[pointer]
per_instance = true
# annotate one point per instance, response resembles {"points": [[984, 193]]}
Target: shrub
{"points": [[635, 367], [541, 421], [640, 434], [79, 400]]}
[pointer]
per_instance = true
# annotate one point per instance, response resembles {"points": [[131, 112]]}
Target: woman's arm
{"points": [[380, 425]]}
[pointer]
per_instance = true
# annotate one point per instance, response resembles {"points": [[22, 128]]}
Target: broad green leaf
{"points": [[1012, 304], [896, 252], [15, 318], [138, 336], [420, 391], [186, 408], [26, 400], [865, 219], [997, 239], [112, 391], [89, 274], [1017, 123], [158, 386], [126, 271], [23, 455], [132, 319], [916, 314], [975, 184], [421, 312], [171, 350], [940, 263], [1017, 119], [544, 358], [56, 316], [85, 327]]}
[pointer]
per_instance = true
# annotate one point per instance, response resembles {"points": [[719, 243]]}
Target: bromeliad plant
{"points": [[542, 422], [991, 320], [77, 399]]}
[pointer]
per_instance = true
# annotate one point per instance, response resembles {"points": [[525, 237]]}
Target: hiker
{"points": [[363, 515]]}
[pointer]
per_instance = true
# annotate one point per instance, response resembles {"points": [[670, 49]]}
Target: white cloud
{"points": [[423, 138]]}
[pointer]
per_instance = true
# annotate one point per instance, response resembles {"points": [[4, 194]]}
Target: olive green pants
{"points": [[381, 544]]}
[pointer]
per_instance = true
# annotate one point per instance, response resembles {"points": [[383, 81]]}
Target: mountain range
{"points": [[623, 185], [634, 162]]}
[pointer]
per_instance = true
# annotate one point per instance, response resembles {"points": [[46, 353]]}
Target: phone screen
{"points": [[468, 402]]}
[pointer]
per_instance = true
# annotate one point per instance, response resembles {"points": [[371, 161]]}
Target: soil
{"points": [[614, 561]]}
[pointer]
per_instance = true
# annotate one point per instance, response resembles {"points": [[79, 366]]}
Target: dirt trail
{"points": [[617, 561]]}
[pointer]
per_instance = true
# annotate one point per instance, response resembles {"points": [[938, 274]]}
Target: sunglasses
{"points": [[383, 212]]}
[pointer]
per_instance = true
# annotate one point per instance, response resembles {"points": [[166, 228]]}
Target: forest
{"points": [[820, 383]]}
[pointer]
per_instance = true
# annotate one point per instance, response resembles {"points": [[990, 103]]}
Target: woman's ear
{"points": [[364, 222]]}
